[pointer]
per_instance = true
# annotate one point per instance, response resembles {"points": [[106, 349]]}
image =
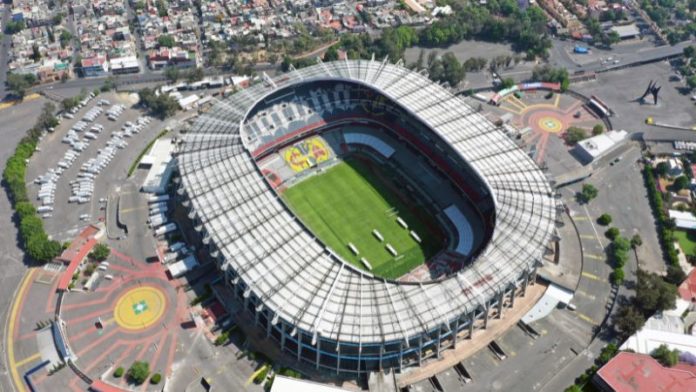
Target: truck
{"points": [[164, 229], [177, 246], [158, 199]]}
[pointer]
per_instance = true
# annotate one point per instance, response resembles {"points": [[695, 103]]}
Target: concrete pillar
{"points": [[420, 350], [512, 296], [439, 339], [299, 345], [401, 355], [455, 333], [525, 282], [471, 325], [282, 336], [268, 325], [338, 357], [318, 352], [501, 300], [381, 352], [485, 316]]}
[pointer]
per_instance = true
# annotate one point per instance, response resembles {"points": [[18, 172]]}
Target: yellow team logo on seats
{"points": [[306, 154]]}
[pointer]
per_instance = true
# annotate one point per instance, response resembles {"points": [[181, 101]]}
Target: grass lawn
{"points": [[345, 203], [687, 241]]}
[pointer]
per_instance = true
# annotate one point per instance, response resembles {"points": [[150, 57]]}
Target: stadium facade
{"points": [[318, 308]]}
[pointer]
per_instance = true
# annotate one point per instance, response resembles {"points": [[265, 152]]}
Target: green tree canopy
{"points": [[653, 293], [166, 41], [665, 356], [139, 371], [100, 252], [18, 84], [587, 193], [574, 135]]}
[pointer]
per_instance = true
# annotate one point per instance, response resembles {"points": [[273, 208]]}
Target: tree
{"points": [[35, 53], [64, 38], [331, 54], [14, 27], [172, 74], [691, 81], [139, 371], [690, 51], [628, 320], [675, 275], [166, 41], [162, 105], [100, 252], [507, 83], [613, 38], [69, 103], [636, 241], [574, 135], [662, 169], [19, 83], [617, 276], [653, 293], [588, 193], [604, 219], [665, 356], [195, 74], [597, 129], [118, 373], [46, 119], [612, 233], [681, 182]]}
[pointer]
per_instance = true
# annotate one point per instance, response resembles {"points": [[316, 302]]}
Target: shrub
{"points": [[597, 129], [665, 356], [155, 379], [612, 233], [118, 373], [604, 219], [587, 193], [574, 135]]}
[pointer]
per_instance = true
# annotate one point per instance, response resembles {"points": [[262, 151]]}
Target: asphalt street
{"points": [[16, 121]]}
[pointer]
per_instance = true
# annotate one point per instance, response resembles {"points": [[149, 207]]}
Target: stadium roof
{"points": [[305, 284]]}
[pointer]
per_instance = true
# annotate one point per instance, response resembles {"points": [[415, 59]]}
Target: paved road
{"points": [[12, 128]]}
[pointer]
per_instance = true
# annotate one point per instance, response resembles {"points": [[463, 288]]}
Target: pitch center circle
{"points": [[550, 124], [139, 308]]}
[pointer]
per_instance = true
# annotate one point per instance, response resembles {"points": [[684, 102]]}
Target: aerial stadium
{"points": [[364, 216]]}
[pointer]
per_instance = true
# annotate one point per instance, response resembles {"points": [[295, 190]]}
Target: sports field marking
{"points": [[139, 308], [345, 203]]}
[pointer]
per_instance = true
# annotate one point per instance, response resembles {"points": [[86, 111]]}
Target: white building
{"points": [[161, 167], [592, 148]]}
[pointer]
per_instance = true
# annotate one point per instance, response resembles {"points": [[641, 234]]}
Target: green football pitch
{"points": [[346, 202]]}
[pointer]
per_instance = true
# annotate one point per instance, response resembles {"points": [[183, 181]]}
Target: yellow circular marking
{"points": [[550, 124], [139, 308]]}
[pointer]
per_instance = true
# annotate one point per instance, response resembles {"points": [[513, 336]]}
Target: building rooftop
{"points": [[631, 372]]}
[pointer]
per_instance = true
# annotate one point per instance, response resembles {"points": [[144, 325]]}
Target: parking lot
{"points": [[85, 157]]}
